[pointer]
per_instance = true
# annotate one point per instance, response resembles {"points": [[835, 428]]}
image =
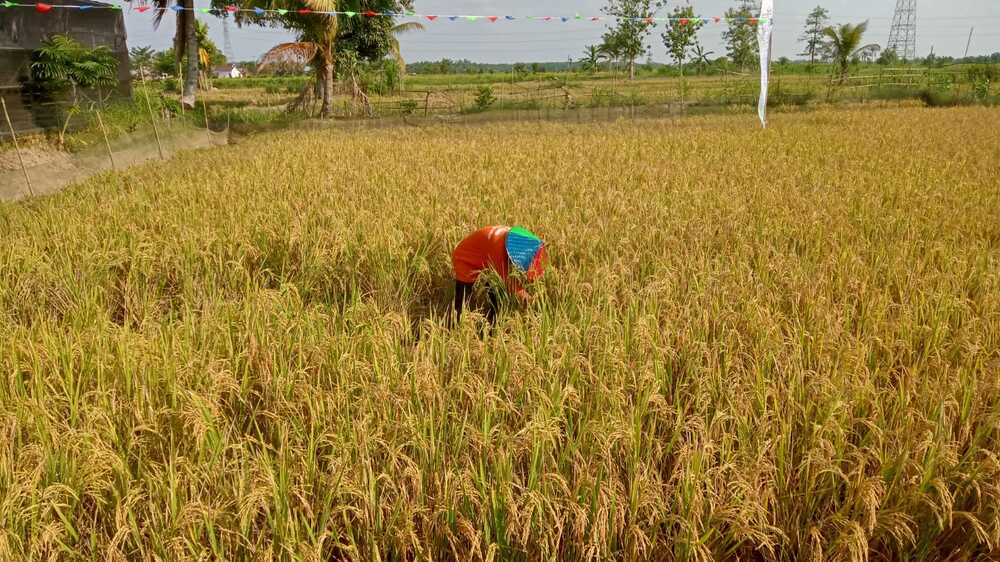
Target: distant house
{"points": [[227, 71], [22, 30]]}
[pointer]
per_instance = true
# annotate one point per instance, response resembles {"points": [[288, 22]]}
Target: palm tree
{"points": [[701, 58], [844, 45], [394, 49], [185, 44], [609, 54], [592, 57], [206, 50], [316, 47]]}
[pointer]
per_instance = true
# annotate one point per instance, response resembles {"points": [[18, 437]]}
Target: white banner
{"points": [[764, 27]]}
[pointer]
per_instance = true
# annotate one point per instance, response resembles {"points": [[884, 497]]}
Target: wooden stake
{"points": [[208, 131], [152, 118], [107, 144], [180, 84], [17, 148]]}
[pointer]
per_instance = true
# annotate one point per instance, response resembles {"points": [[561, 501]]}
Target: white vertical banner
{"points": [[765, 25]]}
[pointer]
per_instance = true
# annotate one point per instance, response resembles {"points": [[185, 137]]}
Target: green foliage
{"points": [[740, 35], [141, 59], [701, 58], [627, 38], [408, 107], [988, 72], [62, 64], [592, 57], [392, 75], [165, 63], [844, 44], [279, 82], [944, 98], [888, 57], [379, 77], [681, 34], [370, 38], [893, 93], [981, 89], [209, 54], [813, 35], [484, 98]]}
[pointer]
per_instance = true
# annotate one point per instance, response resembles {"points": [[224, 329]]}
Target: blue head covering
{"points": [[522, 247]]}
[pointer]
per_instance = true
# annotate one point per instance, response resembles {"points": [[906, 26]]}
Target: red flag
{"points": [[43, 8], [491, 18], [595, 18], [547, 18], [232, 9], [370, 14], [717, 19], [141, 9], [684, 21], [753, 21], [649, 20], [432, 18], [304, 11]]}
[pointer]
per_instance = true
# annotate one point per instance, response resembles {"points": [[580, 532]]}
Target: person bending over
{"points": [[496, 248]]}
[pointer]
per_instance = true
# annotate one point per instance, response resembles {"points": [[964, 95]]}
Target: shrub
{"points": [[937, 98], [484, 98], [62, 64]]}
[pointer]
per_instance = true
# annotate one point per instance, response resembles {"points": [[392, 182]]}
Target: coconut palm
{"points": [[701, 59], [394, 48], [317, 43], [592, 58], [610, 53], [316, 47], [844, 45], [185, 44], [208, 55]]}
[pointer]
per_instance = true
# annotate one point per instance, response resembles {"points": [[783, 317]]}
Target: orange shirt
{"points": [[483, 249]]}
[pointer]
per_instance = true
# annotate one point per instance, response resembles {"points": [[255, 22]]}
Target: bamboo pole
{"points": [[17, 148], [208, 130], [107, 144], [152, 118]]}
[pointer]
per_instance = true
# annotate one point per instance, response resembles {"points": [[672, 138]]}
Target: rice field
{"points": [[770, 345]]}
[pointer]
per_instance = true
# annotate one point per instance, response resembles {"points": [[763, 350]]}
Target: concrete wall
{"points": [[22, 31]]}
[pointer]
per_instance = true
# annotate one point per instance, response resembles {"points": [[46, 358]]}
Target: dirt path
{"points": [[51, 170]]}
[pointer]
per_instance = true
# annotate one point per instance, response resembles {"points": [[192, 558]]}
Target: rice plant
{"points": [[774, 345]]}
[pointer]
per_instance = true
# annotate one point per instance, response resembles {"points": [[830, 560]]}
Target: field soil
{"points": [[51, 169]]}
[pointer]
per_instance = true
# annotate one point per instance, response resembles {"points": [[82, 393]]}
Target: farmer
{"points": [[496, 248]]}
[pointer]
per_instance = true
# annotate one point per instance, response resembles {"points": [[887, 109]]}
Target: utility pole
{"points": [[969, 44]]}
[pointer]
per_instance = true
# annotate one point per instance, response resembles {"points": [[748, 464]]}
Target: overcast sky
{"points": [[942, 24]]}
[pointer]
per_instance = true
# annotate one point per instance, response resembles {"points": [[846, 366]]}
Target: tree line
{"points": [[343, 47]]}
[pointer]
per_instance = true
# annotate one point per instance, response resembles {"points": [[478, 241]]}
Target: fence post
{"points": [[107, 144], [17, 148]]}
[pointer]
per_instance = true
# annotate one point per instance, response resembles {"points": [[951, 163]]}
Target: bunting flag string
{"points": [[43, 8]]}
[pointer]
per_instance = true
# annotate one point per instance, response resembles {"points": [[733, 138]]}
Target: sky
{"points": [[941, 25]]}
